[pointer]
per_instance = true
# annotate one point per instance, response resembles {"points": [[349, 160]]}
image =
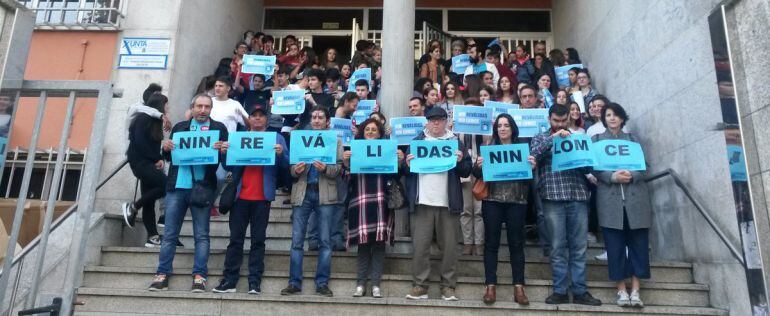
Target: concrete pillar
{"points": [[397, 56]]}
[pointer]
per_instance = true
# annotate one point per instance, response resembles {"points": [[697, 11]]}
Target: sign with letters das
{"points": [[433, 156]]}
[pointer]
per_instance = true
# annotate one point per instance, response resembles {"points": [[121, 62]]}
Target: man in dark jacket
{"points": [[435, 202], [181, 180]]}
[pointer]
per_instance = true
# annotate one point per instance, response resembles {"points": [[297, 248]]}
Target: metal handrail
{"points": [[701, 209]]}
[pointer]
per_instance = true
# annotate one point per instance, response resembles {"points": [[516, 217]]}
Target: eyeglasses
{"points": [[527, 96]]}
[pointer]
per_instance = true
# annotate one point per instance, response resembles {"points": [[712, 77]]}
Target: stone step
{"points": [[102, 301], [345, 262], [395, 285]]}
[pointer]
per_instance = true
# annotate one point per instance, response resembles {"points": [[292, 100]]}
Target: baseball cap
{"points": [[436, 112]]}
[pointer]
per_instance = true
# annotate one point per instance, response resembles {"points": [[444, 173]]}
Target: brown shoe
{"points": [[490, 295], [479, 250], [467, 250], [519, 296]]}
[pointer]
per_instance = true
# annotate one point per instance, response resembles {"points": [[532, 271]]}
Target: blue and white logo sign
{"points": [[144, 53]]}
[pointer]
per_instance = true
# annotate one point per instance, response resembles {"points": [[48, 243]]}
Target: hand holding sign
{"points": [[196, 148], [614, 154], [573, 151], [505, 162], [433, 156], [313, 145], [373, 156]]}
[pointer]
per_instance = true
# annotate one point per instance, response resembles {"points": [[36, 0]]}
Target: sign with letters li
{"points": [[460, 62], [309, 145], [195, 148], [530, 121], [404, 129], [373, 156], [615, 154], [251, 149], [258, 64], [360, 74], [288, 102], [573, 151], [506, 162], [737, 163], [432, 156], [472, 120], [500, 107], [562, 74], [343, 128]]}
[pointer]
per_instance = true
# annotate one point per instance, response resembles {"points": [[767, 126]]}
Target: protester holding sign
{"points": [[190, 186], [314, 192], [435, 202], [564, 195], [370, 222], [625, 215], [256, 189], [506, 203]]}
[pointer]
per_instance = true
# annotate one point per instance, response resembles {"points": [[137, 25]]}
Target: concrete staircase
{"points": [[117, 284]]}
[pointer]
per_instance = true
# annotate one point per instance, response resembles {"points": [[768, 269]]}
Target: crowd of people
{"points": [[563, 210]]}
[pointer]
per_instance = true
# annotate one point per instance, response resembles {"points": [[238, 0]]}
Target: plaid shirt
{"points": [[568, 185]]}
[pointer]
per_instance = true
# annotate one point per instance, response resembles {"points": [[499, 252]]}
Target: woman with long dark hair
{"points": [[506, 203], [145, 134], [506, 90]]}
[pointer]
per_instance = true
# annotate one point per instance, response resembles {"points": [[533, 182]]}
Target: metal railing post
{"points": [[86, 200], [49, 210], [15, 229]]}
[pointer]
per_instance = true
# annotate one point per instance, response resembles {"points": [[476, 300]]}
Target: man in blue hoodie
{"points": [[256, 190]]}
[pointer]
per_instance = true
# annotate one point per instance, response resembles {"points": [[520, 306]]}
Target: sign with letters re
{"points": [[258, 64], [404, 129], [195, 148], [573, 151], [144, 53], [475, 120], [500, 107], [562, 74], [309, 145], [373, 156], [432, 156], [360, 74], [251, 149], [615, 154], [343, 127], [530, 121], [288, 102], [506, 162]]}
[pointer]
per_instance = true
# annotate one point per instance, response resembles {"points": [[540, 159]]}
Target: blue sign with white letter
{"points": [[343, 127], [404, 129], [363, 110], [472, 120], [258, 64], [562, 74], [432, 156], [195, 148], [360, 74], [573, 151], [288, 102], [373, 156], [614, 154], [530, 121], [460, 62], [547, 98], [500, 107], [737, 163], [309, 145], [506, 162], [251, 149]]}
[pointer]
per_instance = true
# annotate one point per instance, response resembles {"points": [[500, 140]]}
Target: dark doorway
{"points": [[340, 43]]}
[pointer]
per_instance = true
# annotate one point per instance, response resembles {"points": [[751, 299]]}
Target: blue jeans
{"points": [[627, 251], [255, 215], [299, 223], [568, 226], [338, 223], [177, 203]]}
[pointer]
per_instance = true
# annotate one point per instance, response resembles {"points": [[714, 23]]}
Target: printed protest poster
{"points": [[573, 151], [404, 129], [373, 156], [475, 120], [613, 154], [432, 156], [288, 102], [309, 145], [258, 64], [251, 149], [360, 74], [506, 162], [195, 148], [343, 127], [530, 121]]}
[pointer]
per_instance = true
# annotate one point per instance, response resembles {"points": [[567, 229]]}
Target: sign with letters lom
{"points": [[373, 156], [573, 151], [506, 162], [562, 74], [432, 156], [360, 74], [530, 121], [343, 127], [288, 102], [737, 163], [195, 148], [475, 120], [258, 64], [500, 107], [404, 129], [615, 154], [460, 62], [251, 149], [309, 145]]}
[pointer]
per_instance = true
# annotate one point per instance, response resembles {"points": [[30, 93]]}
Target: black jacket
{"points": [[142, 148], [210, 179]]}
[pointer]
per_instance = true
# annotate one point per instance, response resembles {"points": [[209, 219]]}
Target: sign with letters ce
{"points": [[615, 154]]}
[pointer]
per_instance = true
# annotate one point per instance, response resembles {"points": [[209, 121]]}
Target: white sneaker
{"points": [[153, 242], [602, 256], [623, 300], [360, 291], [376, 292], [634, 299], [591, 238]]}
